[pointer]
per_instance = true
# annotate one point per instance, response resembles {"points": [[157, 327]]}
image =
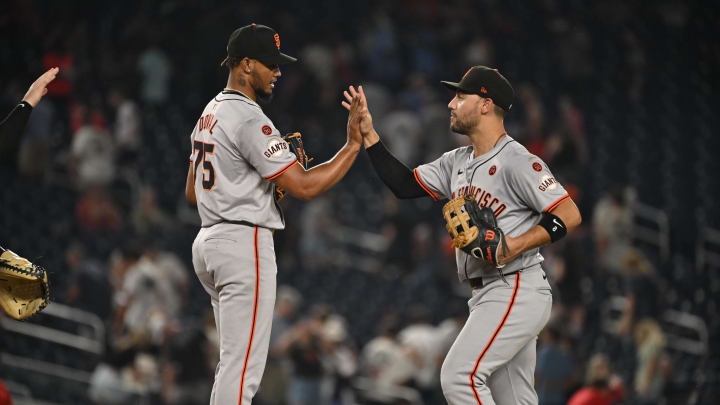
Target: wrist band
{"points": [[554, 226]]}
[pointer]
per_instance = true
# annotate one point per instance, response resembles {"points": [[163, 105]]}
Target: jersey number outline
{"points": [[208, 182]]}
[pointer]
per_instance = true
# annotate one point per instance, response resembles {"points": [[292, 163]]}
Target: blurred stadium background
{"points": [[618, 96]]}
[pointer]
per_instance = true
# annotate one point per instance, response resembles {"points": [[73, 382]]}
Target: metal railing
{"points": [[707, 249], [94, 344], [651, 226]]}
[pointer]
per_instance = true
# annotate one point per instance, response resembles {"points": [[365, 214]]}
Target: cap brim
{"points": [[277, 59], [451, 85]]}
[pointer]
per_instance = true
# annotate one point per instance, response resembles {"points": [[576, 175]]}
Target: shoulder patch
{"points": [[547, 183], [266, 129], [537, 167], [276, 148]]}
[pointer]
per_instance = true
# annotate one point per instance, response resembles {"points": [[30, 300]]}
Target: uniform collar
{"points": [[234, 92], [489, 154]]}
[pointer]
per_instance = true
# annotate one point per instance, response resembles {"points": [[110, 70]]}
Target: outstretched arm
{"points": [[308, 184], [396, 176], [12, 126]]}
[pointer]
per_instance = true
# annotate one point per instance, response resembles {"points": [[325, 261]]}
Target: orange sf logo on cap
{"points": [[277, 41], [483, 90]]}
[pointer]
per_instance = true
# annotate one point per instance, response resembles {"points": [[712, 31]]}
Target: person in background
{"points": [[601, 387], [554, 371], [652, 368]]}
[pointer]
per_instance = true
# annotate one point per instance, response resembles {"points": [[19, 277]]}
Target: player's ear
{"points": [[487, 105], [247, 64]]}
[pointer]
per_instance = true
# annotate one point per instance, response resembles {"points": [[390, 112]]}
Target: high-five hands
{"points": [[355, 107], [365, 124]]}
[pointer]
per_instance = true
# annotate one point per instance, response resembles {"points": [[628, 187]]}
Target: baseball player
{"points": [[237, 159], [492, 361]]}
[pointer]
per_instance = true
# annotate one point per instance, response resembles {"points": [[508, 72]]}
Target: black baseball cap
{"points": [[257, 42], [485, 82]]}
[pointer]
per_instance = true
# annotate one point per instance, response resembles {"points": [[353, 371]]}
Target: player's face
{"points": [[464, 112], [263, 80]]}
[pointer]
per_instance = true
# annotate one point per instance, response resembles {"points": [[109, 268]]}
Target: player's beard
{"points": [[463, 127], [263, 97]]}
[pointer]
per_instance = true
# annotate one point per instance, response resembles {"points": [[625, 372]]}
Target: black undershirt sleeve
{"points": [[11, 129], [396, 176]]}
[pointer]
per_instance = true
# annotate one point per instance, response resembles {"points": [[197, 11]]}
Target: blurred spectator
{"points": [[302, 344], [652, 366], [555, 365], [402, 131], [149, 303], [601, 387], [641, 291], [141, 377], [96, 212], [419, 340], [106, 382], [127, 124], [147, 216], [156, 69], [120, 261], [612, 222], [187, 372], [92, 152], [339, 359], [532, 134], [565, 147], [317, 222], [4, 395], [87, 282], [386, 362], [276, 376]]}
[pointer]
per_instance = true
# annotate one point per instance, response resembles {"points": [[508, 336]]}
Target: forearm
{"points": [[567, 212], [396, 176], [322, 177], [190, 186], [11, 129]]}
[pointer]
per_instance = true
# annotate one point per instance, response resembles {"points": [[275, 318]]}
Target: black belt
{"points": [[477, 282], [246, 223]]}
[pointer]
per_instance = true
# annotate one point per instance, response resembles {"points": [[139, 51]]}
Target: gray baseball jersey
{"points": [[516, 184], [492, 361], [236, 152]]}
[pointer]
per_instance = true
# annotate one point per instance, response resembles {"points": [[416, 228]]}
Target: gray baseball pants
{"points": [[493, 358], [236, 266]]}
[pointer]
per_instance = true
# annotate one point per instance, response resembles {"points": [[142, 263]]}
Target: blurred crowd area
{"points": [[618, 97]]}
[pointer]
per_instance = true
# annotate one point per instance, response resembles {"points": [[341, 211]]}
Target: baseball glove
{"points": [[24, 288], [295, 143], [474, 229]]}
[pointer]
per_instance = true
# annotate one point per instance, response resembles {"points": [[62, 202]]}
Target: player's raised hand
{"points": [[355, 107], [39, 87], [366, 119], [370, 137]]}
